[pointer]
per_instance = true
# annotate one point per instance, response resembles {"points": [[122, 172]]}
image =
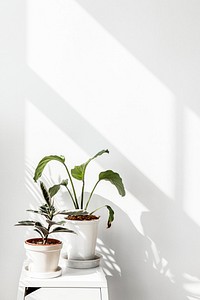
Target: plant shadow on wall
{"points": [[174, 249], [164, 263], [156, 268]]}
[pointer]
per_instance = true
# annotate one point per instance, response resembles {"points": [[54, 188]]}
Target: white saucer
{"points": [[85, 263], [57, 273]]}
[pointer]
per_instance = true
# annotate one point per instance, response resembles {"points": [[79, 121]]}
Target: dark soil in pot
{"points": [[38, 241], [82, 218]]}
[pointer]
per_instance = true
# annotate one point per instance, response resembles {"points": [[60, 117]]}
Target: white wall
{"points": [[80, 76]]}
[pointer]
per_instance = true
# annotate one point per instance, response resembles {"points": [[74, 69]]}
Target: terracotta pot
{"points": [[43, 258], [82, 245]]}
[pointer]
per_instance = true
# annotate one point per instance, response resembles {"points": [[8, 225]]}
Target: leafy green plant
{"points": [[78, 173], [47, 210]]}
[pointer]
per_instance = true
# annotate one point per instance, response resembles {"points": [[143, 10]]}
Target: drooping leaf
{"points": [[55, 188], [110, 216], [78, 172], [45, 193], [39, 232], [25, 223], [113, 178], [43, 162], [41, 228], [61, 229], [75, 212]]}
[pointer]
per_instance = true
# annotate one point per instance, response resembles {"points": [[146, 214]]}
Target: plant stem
{"points": [[71, 196], [75, 198], [48, 228], [82, 194], [86, 206], [96, 209]]}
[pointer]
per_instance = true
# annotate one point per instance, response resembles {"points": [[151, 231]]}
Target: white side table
{"points": [[76, 284]]}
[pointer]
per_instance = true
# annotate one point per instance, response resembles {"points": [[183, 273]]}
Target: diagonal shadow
{"points": [[80, 131], [153, 33], [174, 233]]}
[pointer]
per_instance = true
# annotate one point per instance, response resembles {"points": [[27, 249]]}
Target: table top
{"points": [[93, 277]]}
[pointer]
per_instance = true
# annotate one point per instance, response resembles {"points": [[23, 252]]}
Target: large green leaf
{"points": [[113, 178], [43, 162], [78, 172]]}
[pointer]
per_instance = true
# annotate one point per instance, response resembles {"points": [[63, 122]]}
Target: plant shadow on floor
{"points": [[150, 265]]}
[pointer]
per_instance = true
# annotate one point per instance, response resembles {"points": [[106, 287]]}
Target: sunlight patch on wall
{"points": [[43, 138], [103, 82], [191, 186]]}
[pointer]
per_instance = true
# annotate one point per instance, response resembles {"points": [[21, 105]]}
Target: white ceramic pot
{"points": [[82, 245], [43, 258]]}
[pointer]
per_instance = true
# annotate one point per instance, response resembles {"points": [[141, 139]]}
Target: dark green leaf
{"points": [[55, 188], [47, 211], [113, 178], [42, 229], [61, 229], [55, 223], [45, 193], [75, 212], [42, 164], [38, 224], [40, 233], [78, 172], [25, 223], [110, 216]]}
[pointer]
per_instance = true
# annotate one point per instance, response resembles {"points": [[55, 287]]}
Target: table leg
{"points": [[104, 294], [21, 293]]}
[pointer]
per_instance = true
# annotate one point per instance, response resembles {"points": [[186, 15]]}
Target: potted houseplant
{"points": [[44, 252], [83, 221]]}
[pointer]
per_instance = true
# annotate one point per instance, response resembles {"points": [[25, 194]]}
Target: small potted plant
{"points": [[44, 252], [83, 221]]}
